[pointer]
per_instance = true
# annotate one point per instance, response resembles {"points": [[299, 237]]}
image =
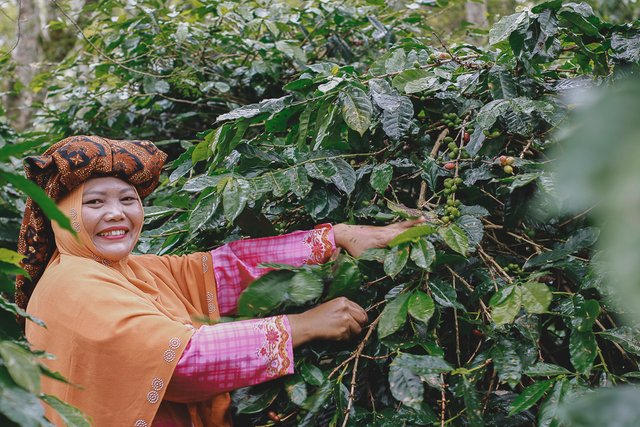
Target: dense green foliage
{"points": [[490, 314]]}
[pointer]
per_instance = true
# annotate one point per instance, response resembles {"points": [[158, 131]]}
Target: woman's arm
{"points": [[236, 264], [228, 356]]}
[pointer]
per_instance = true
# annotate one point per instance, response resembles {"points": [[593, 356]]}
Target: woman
{"points": [[124, 327]]}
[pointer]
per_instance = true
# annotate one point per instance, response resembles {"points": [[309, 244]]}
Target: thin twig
{"points": [[434, 152], [356, 355], [98, 50], [488, 258], [470, 288], [15, 45]]}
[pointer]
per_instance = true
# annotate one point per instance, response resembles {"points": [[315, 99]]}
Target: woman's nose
{"points": [[115, 211]]}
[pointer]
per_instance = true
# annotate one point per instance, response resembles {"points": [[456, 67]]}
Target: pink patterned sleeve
{"points": [[228, 356], [235, 264]]}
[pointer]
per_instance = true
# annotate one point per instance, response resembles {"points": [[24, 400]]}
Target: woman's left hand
{"points": [[356, 239]]}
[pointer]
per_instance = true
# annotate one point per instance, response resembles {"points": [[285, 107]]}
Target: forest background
{"points": [[510, 125]]}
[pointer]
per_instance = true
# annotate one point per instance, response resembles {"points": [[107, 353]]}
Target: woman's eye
{"points": [[92, 202], [129, 198]]}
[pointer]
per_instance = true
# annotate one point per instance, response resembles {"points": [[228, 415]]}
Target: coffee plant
{"points": [[491, 313], [281, 116]]}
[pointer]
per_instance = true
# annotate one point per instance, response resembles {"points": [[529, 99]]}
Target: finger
{"points": [[358, 313], [411, 222], [354, 328]]}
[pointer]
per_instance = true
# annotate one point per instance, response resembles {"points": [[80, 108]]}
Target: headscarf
{"points": [[117, 329], [63, 167]]}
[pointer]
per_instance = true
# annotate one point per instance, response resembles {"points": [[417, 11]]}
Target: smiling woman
{"points": [[129, 329], [112, 215]]}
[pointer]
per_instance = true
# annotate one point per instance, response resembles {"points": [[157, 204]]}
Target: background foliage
{"points": [[278, 116]]}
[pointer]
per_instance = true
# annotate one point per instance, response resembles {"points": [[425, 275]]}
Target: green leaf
{"points": [[393, 316], [444, 294], [503, 86], [505, 26], [455, 238], [536, 297], [396, 122], [305, 286], [14, 309], [235, 196], [296, 389], [264, 294], [312, 374], [32, 190], [345, 176], [412, 234], [19, 405], [585, 314], [423, 253], [421, 306], [505, 305], [300, 184], [10, 257], [472, 402], [507, 361], [314, 402], [413, 80], [627, 337], [473, 228], [530, 396], [550, 409], [346, 280], [395, 261], [395, 61], [21, 365], [71, 416], [356, 109], [542, 369], [423, 365], [583, 350], [203, 212], [405, 385], [381, 177], [15, 150], [255, 401]]}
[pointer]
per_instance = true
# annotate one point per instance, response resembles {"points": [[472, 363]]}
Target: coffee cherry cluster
{"points": [[451, 120], [491, 135], [454, 150], [451, 209], [506, 162], [513, 268]]}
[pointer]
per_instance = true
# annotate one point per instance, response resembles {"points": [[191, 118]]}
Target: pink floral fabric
{"points": [[236, 264]]}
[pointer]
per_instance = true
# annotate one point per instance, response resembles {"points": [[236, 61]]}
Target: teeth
{"points": [[112, 233]]}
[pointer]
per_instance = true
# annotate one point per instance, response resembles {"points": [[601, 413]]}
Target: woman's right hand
{"points": [[338, 319]]}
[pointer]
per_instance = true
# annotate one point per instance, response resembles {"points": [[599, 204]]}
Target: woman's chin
{"points": [[114, 251]]}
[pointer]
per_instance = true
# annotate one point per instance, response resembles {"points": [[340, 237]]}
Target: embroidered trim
{"points": [[174, 343], [156, 385], [170, 355], [205, 263], [153, 397], [211, 306], [320, 247], [273, 350], [75, 224], [141, 423]]}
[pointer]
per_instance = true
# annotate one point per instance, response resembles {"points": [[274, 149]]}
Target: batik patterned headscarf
{"points": [[62, 168]]}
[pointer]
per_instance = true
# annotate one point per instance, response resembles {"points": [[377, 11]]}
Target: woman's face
{"points": [[112, 215]]}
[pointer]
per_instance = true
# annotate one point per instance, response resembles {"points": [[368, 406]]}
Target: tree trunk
{"points": [[26, 56], [476, 13]]}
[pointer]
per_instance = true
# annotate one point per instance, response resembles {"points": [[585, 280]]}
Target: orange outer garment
{"points": [[118, 328]]}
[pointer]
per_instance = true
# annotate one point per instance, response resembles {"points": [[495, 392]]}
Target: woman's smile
{"points": [[114, 233]]}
